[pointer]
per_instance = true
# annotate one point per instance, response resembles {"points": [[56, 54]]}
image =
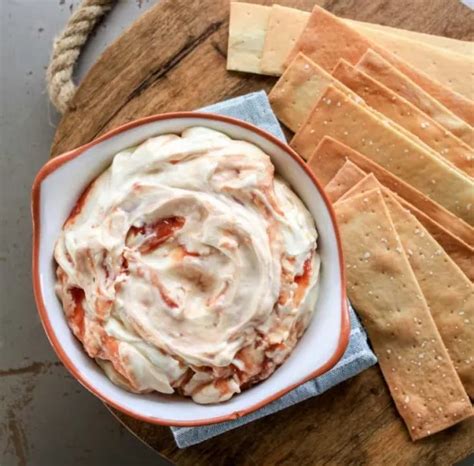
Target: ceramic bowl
{"points": [[55, 191]]}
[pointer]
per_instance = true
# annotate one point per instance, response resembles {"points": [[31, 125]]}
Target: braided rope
{"points": [[67, 47]]}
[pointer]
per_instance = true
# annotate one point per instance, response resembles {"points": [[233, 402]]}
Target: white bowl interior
{"points": [[59, 192]]}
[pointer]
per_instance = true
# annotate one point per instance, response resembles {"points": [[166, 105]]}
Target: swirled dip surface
{"points": [[188, 267]]}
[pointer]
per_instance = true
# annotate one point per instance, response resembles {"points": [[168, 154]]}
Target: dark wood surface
{"points": [[173, 58], [355, 423]]}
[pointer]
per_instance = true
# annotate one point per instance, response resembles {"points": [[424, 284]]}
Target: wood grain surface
{"points": [[173, 58]]}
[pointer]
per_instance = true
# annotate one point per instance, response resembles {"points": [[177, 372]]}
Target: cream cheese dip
{"points": [[188, 267]]}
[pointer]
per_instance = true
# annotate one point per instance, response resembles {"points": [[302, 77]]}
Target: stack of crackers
{"points": [[384, 119]]}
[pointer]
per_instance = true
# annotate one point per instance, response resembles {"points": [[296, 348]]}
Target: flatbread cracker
{"points": [[395, 107], [326, 39], [459, 104], [347, 176], [451, 69], [380, 69], [448, 292], [338, 116], [383, 289], [453, 234], [463, 47], [247, 29], [298, 89], [284, 27], [302, 85]]}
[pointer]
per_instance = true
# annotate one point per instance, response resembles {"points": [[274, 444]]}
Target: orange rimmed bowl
{"points": [[56, 189]]}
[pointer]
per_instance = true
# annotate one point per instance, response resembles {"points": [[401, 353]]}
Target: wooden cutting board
{"points": [[173, 58]]}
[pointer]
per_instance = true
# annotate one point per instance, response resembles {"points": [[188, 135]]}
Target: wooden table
{"points": [[173, 58]]}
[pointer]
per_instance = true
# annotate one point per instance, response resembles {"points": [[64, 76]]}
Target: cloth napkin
{"points": [[255, 108]]}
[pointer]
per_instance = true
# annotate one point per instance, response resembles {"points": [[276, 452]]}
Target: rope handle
{"points": [[67, 47]]}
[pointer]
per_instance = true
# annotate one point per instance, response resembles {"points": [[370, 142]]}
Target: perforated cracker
{"points": [[448, 292], [380, 69], [338, 116], [284, 27], [298, 90], [327, 38], [453, 234], [398, 109], [247, 29], [348, 175], [382, 286]]}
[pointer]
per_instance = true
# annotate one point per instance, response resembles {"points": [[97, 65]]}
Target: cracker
{"points": [[338, 116], [460, 252], [459, 104], [380, 69], [343, 180], [356, 186], [298, 89], [463, 47], [448, 292], [247, 29], [395, 107], [451, 69], [284, 27], [326, 39], [454, 235], [301, 86], [382, 287]]}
